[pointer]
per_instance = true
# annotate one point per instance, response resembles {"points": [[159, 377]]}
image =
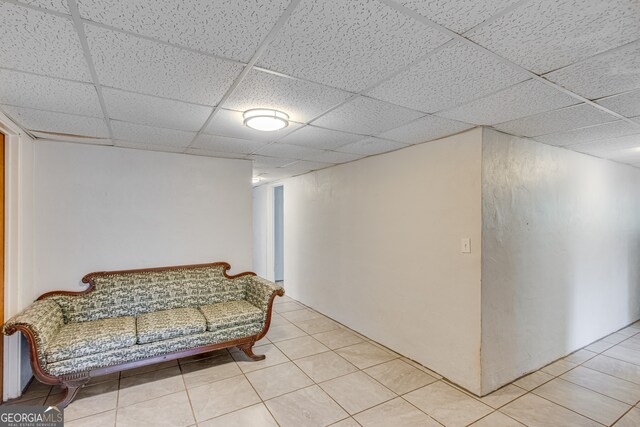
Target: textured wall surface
{"points": [[560, 253]]}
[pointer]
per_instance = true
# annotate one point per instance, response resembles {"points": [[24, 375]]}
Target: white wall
{"points": [[104, 208], [261, 229], [375, 244], [561, 253]]}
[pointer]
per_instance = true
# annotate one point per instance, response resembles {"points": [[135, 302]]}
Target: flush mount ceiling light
{"points": [[265, 119]]}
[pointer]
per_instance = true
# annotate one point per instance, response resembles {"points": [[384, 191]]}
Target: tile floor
{"points": [[319, 373]]}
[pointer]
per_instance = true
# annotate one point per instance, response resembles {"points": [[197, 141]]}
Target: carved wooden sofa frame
{"points": [[73, 382]]}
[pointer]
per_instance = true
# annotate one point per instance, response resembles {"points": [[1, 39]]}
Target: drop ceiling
{"points": [[357, 77]]}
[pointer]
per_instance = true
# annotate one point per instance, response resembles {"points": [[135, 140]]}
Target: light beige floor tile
{"points": [[534, 411], [287, 306], [262, 341], [630, 419], [253, 416], [148, 368], [103, 378], [207, 355], [35, 391], [364, 355], [447, 405], [422, 368], [497, 419], [503, 396], [91, 400], [558, 367], [283, 299], [533, 380], [580, 356], [348, 422], [300, 315], [301, 347], [284, 332], [325, 366], [171, 410], [278, 380], [357, 392], [629, 331], [599, 346], [399, 376], [314, 326], [631, 344], [307, 407], [219, 398], [615, 338], [608, 385], [103, 419], [617, 368], [273, 357], [278, 320], [398, 413], [338, 338], [579, 399], [149, 386], [625, 354], [209, 370]]}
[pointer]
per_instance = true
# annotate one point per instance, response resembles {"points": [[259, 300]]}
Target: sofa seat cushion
{"points": [[95, 336], [167, 324], [230, 313]]}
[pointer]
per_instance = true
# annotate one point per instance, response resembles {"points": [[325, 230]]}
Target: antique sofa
{"points": [[129, 318]]}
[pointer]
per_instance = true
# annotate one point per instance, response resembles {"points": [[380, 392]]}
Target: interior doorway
{"points": [[1, 260], [278, 233]]}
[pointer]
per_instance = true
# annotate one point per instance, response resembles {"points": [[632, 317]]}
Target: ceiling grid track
{"points": [[416, 16], [77, 23], [263, 46]]}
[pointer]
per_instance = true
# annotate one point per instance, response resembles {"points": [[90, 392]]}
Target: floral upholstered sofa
{"points": [[126, 319]]}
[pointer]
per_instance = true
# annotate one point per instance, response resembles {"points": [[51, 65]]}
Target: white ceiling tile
{"points": [[287, 151], [229, 28], [620, 147], [627, 104], [347, 44], [47, 93], [150, 135], [457, 15], [211, 153], [367, 116], [301, 100], [40, 43], [230, 123], [56, 5], [449, 77], [524, 99], [152, 111], [315, 137], [371, 146], [591, 133], [545, 35], [269, 162], [149, 147], [336, 157], [53, 137], [227, 145], [425, 129], [48, 121], [603, 75], [561, 120], [128, 62]]}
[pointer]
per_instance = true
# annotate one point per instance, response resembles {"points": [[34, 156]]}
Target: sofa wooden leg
{"points": [[71, 391], [247, 348]]}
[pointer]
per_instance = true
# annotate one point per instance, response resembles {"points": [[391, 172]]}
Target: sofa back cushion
{"points": [[131, 294]]}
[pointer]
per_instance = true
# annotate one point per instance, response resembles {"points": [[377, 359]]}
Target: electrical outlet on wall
{"points": [[465, 245]]}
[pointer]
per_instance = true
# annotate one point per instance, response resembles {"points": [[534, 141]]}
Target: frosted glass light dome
{"points": [[266, 120]]}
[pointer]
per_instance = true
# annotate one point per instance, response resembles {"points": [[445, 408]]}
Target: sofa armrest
{"points": [[260, 292], [40, 323]]}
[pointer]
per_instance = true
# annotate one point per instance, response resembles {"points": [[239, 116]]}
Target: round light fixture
{"points": [[266, 120]]}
